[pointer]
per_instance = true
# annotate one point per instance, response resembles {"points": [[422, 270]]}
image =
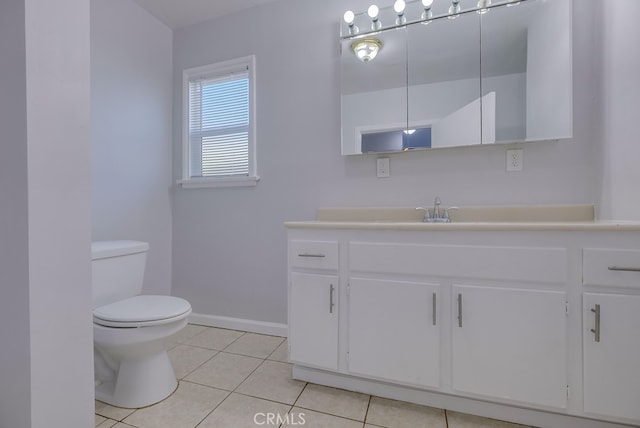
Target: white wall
{"points": [[229, 252], [46, 370], [620, 87], [131, 66]]}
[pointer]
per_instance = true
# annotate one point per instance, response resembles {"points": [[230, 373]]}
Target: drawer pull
{"points": [[433, 308], [331, 304], [317, 256], [459, 309], [596, 330], [624, 269]]}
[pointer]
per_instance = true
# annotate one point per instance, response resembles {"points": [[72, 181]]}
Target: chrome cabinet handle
{"points": [[331, 304], [624, 269], [433, 308], [596, 330], [318, 256], [459, 309]]}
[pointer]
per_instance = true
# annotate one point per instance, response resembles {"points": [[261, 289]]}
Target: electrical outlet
{"points": [[382, 170], [514, 159]]}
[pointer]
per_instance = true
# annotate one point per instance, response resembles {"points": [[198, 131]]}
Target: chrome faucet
{"points": [[434, 216], [436, 208]]}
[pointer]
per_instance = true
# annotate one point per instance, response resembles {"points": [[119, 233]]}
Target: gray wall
{"points": [[14, 265], [131, 70], [229, 252], [46, 372], [617, 99]]}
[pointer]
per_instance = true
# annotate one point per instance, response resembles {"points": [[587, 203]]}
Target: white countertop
{"points": [[607, 226]]}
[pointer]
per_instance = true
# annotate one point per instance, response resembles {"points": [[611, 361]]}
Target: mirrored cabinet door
{"points": [[444, 81], [526, 71], [374, 92]]}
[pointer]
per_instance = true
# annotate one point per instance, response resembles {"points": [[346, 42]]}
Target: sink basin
{"points": [[466, 214]]}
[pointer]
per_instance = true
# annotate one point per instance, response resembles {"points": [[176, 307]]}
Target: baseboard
{"points": [[253, 326]]}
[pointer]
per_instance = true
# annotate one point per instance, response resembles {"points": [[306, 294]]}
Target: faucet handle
{"points": [[426, 217], [446, 217]]}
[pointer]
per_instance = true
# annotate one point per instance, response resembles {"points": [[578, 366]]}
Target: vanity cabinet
{"points": [[510, 344], [534, 326], [611, 341], [394, 331], [313, 303]]}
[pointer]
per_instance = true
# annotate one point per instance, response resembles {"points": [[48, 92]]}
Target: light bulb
{"points": [[483, 5], [349, 17], [426, 13], [373, 12], [399, 6]]}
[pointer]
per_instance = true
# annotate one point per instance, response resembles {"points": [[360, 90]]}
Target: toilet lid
{"points": [[142, 310]]}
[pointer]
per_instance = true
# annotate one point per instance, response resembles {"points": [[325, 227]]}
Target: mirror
{"points": [[495, 77]]}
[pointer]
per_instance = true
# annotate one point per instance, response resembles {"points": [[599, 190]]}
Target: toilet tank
{"points": [[117, 269]]}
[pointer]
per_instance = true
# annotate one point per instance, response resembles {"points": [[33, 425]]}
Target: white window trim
{"points": [[252, 179]]}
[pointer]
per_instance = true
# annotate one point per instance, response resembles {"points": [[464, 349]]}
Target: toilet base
{"points": [[139, 382]]}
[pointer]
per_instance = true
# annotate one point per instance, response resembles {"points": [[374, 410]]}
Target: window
{"points": [[219, 125]]}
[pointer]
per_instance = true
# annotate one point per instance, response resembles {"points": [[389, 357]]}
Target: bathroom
{"points": [[224, 249]]}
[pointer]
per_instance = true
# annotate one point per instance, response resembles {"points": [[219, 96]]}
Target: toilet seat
{"points": [[142, 311]]}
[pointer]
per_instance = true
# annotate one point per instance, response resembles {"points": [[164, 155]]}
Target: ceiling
{"points": [[182, 13]]}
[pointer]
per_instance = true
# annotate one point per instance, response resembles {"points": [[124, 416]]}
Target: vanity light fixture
{"points": [[426, 13], [350, 18], [366, 49], [373, 14], [398, 8]]}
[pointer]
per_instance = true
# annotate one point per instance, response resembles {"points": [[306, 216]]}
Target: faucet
{"points": [[436, 208], [435, 216]]}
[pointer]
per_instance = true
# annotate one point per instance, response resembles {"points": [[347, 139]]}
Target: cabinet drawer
{"points": [[541, 265], [610, 267], [314, 254]]}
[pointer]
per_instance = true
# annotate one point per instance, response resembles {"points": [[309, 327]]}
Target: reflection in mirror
{"points": [[500, 72], [533, 82], [374, 93], [444, 80]]}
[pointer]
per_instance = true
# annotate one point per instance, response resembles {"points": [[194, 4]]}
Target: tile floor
{"points": [[234, 379]]}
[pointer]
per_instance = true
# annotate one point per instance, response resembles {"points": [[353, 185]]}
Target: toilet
{"points": [[132, 368]]}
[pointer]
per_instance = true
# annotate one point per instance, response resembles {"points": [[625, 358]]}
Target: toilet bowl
{"points": [[132, 368]]}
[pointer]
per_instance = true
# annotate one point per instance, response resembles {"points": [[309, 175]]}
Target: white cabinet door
{"points": [[394, 331], [510, 344], [313, 320], [612, 362]]}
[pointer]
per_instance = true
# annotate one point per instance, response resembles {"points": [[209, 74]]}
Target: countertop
{"points": [[587, 226]]}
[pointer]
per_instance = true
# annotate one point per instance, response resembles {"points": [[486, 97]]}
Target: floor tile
{"points": [[187, 332], [224, 371], [398, 414], [111, 412], [189, 405], [123, 425], [303, 417], [186, 358], [272, 381], [337, 402], [214, 338], [281, 353], [100, 419], [240, 411], [463, 420], [107, 423], [255, 345]]}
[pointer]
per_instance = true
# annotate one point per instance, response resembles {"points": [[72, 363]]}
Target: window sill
{"points": [[199, 183]]}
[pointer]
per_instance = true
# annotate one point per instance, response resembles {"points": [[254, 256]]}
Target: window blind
{"points": [[219, 125]]}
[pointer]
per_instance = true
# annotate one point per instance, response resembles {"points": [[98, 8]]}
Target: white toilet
{"points": [[132, 368]]}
